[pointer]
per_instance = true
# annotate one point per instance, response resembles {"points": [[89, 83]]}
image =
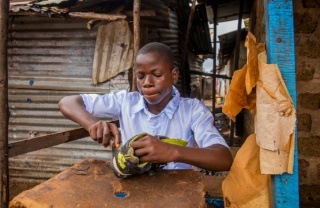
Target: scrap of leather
{"points": [[259, 86], [241, 93], [237, 97], [274, 121], [91, 183], [244, 185]]}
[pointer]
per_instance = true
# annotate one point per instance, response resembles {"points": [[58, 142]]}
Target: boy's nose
{"points": [[148, 82]]}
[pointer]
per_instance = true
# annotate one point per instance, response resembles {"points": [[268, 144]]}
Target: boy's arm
{"points": [[72, 107], [215, 157]]}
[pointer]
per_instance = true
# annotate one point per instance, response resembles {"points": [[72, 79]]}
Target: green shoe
{"points": [[125, 163]]}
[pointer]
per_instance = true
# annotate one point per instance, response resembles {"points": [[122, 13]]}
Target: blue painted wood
{"points": [[280, 50], [216, 202]]}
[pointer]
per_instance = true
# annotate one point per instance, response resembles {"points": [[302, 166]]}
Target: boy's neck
{"points": [[157, 108]]}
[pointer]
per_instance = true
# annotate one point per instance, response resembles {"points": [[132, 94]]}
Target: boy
{"points": [[156, 109]]}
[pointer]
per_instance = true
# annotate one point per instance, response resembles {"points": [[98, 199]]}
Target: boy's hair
{"points": [[159, 48]]}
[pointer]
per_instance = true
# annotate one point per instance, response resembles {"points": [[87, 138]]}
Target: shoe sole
{"points": [[116, 170]]}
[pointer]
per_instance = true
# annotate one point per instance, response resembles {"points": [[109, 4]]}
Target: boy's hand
{"points": [[151, 149], [103, 132]]}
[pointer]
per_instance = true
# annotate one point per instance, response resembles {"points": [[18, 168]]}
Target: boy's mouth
{"points": [[150, 96]]}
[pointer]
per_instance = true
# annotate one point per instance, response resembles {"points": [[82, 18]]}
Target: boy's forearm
{"points": [[72, 107], [214, 158]]}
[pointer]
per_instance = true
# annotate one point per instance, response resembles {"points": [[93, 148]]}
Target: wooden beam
{"points": [[31, 14], [4, 112], [143, 13], [209, 74], [281, 51], [214, 72], [236, 63], [92, 15], [136, 36], [41, 142], [185, 47]]}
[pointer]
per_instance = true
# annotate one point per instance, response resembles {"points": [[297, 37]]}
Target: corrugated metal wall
{"points": [[49, 58], [195, 64]]}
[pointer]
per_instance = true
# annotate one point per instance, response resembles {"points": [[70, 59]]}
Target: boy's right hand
{"points": [[103, 132]]}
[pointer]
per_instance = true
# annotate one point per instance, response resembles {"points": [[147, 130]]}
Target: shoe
{"points": [[125, 163]]}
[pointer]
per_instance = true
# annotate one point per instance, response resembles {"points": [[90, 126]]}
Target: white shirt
{"points": [[182, 118]]}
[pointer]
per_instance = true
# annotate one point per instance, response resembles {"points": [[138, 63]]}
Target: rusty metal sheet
{"points": [[113, 52], [76, 187]]}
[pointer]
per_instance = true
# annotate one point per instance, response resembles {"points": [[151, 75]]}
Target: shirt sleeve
{"points": [[205, 133], [107, 105]]}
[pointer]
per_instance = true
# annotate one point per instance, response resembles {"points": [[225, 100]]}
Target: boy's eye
{"points": [[139, 76], [157, 75]]}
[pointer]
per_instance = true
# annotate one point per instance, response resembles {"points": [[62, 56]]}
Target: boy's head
{"points": [[160, 48], [155, 74]]}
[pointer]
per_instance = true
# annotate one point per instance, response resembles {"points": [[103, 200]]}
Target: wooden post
{"points": [[185, 47], [4, 115], [236, 63], [214, 72], [136, 36], [281, 51]]}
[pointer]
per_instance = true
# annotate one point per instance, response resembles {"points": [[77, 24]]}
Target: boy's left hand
{"points": [[151, 149]]}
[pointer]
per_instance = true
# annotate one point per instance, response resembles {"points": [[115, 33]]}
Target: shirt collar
{"points": [[168, 110]]}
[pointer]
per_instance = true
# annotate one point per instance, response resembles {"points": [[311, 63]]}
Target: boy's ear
{"points": [[175, 75]]}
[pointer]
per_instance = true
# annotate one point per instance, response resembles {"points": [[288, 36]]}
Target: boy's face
{"points": [[155, 78]]}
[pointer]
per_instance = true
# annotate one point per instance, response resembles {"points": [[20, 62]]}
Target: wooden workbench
{"points": [[92, 183]]}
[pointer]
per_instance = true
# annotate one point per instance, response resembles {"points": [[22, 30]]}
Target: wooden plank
{"points": [[280, 49], [40, 142], [136, 37], [4, 111], [185, 47], [91, 15], [143, 13]]}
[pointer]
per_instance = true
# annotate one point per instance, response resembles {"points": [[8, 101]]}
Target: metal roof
{"points": [[228, 10], [200, 40], [227, 44]]}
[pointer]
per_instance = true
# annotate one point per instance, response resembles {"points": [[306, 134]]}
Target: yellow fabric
{"points": [[244, 185]]}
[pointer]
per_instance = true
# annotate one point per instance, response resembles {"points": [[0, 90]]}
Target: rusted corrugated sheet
{"points": [[55, 54], [161, 20], [49, 58], [195, 64], [113, 52]]}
